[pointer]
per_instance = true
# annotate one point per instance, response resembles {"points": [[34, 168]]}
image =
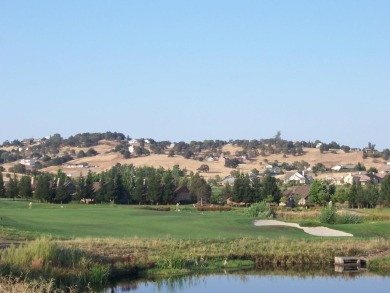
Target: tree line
{"points": [[357, 195]]}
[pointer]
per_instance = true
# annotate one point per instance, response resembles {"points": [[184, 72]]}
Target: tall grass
{"points": [[12, 284], [46, 258]]}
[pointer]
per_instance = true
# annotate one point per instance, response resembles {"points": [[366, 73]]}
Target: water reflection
{"points": [[262, 281]]}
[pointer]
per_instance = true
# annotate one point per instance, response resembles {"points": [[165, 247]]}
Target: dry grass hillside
{"points": [[107, 158]]}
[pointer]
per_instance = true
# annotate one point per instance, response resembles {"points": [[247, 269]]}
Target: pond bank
{"points": [[97, 261]]}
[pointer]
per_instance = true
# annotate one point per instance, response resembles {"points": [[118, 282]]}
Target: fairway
{"points": [[103, 221]]}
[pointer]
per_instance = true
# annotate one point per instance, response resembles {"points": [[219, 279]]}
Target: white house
{"points": [[298, 178], [133, 141], [336, 168], [28, 162]]}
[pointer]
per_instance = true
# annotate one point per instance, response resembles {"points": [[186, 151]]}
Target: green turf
{"points": [[76, 220]]}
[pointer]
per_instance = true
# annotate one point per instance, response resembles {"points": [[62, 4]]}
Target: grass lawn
{"points": [[76, 220], [116, 221]]}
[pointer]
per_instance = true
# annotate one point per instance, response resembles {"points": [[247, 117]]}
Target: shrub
{"points": [[348, 219], [214, 209], [156, 208], [260, 210], [328, 215]]}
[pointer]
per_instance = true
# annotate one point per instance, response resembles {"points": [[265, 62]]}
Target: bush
{"points": [[156, 208], [328, 215], [260, 210], [349, 219], [214, 209]]}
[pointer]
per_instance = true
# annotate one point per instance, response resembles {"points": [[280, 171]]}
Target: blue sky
{"points": [[195, 70]]}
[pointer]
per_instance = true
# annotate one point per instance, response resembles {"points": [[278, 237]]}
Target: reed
{"points": [[48, 259]]}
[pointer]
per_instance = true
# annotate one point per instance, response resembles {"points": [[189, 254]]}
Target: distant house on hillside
{"points": [[339, 168], [228, 180], [355, 178], [28, 162], [78, 165], [297, 178], [335, 180], [28, 141]]}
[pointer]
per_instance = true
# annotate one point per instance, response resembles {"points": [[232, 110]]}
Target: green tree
{"points": [[154, 188], [271, 188], [89, 190], [139, 190], [257, 190], [42, 190], [169, 187], [2, 189], [119, 192], [242, 190], [372, 194], [384, 196], [13, 187], [91, 152], [25, 189], [315, 193], [80, 188], [354, 193], [199, 189], [60, 193], [226, 192]]}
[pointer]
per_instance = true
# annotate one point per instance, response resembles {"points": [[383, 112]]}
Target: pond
{"points": [[259, 282]]}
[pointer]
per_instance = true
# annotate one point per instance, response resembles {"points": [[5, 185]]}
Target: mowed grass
{"points": [[103, 221], [121, 221]]}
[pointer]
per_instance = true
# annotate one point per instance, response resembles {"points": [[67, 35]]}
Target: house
{"points": [[385, 169], [210, 159], [297, 178], [335, 180], [133, 141], [181, 194], [70, 187], [27, 142], [362, 178], [299, 191], [338, 168], [78, 165], [318, 146], [228, 180], [28, 162]]}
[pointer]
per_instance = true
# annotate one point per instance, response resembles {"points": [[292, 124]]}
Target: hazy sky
{"points": [[195, 70]]}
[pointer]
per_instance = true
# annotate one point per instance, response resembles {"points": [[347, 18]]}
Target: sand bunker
{"points": [[316, 231]]}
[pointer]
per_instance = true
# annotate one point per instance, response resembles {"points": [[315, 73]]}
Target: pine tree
{"points": [[25, 187], [89, 191], [13, 187], [271, 188], [2, 189], [42, 191]]}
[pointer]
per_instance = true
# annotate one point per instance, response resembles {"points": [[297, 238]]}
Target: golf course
{"points": [[92, 244]]}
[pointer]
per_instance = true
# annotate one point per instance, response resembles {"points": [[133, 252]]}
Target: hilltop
{"points": [[99, 152]]}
